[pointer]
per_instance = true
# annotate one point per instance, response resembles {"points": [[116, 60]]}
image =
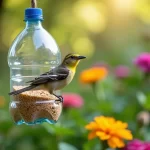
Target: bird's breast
{"points": [[70, 77], [57, 85]]}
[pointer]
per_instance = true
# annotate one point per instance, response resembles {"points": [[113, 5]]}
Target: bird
{"points": [[55, 79]]}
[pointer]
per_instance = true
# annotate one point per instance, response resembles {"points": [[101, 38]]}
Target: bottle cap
{"points": [[33, 14]]}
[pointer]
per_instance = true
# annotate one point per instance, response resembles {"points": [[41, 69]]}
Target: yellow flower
{"points": [[94, 74], [107, 128]]}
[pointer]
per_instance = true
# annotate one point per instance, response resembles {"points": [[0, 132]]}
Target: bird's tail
{"points": [[22, 90]]}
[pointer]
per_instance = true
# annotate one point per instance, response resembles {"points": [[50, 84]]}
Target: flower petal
{"points": [[92, 126], [103, 135], [124, 133], [102, 123], [115, 142], [91, 135], [93, 74], [111, 143], [120, 124]]}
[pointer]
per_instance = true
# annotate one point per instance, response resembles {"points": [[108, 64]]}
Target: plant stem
{"points": [[94, 87], [104, 145], [100, 94]]}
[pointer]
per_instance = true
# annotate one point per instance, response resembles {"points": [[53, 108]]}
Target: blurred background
{"points": [[109, 33]]}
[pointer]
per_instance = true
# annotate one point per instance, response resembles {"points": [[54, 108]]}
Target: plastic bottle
{"points": [[33, 52]]}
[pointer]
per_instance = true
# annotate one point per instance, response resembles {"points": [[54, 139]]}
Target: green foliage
{"points": [[116, 38]]}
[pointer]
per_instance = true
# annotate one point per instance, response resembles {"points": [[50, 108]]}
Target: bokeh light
{"points": [[142, 8], [83, 46], [92, 15]]}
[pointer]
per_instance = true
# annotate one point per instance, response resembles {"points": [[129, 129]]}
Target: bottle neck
{"points": [[34, 24]]}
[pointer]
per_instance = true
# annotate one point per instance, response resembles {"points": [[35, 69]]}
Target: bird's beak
{"points": [[81, 57]]}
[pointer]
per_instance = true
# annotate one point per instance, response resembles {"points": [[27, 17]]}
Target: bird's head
{"points": [[72, 60]]}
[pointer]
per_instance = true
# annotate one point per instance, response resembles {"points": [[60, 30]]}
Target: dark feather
{"points": [[55, 74], [22, 90]]}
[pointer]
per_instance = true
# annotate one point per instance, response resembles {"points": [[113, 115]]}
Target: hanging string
{"points": [[33, 3]]}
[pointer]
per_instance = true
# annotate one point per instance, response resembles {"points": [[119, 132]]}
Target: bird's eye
{"points": [[72, 57]]}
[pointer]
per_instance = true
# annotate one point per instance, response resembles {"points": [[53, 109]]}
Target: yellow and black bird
{"points": [[56, 78]]}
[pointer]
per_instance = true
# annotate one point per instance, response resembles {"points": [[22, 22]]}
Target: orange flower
{"points": [[92, 75], [107, 128]]}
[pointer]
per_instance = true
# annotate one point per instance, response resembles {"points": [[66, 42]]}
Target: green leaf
{"points": [[66, 146], [92, 144], [144, 100], [147, 103], [58, 130], [141, 98]]}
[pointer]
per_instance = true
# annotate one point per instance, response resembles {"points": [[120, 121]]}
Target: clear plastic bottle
{"points": [[33, 52]]}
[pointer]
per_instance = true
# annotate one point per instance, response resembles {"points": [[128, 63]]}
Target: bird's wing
{"points": [[55, 74]]}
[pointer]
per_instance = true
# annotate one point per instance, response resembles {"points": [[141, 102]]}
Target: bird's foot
{"points": [[60, 98]]}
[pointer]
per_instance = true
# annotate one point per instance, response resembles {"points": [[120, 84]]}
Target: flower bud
{"points": [[143, 118]]}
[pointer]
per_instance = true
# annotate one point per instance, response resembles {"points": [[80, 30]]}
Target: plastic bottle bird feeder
{"points": [[32, 53]]}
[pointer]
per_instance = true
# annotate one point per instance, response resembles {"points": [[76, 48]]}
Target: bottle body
{"points": [[33, 52]]}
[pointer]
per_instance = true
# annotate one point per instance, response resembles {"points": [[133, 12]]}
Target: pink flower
{"points": [[72, 100], [143, 62], [147, 145], [122, 71], [137, 145]]}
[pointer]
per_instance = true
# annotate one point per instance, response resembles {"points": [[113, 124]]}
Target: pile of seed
{"points": [[35, 104]]}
